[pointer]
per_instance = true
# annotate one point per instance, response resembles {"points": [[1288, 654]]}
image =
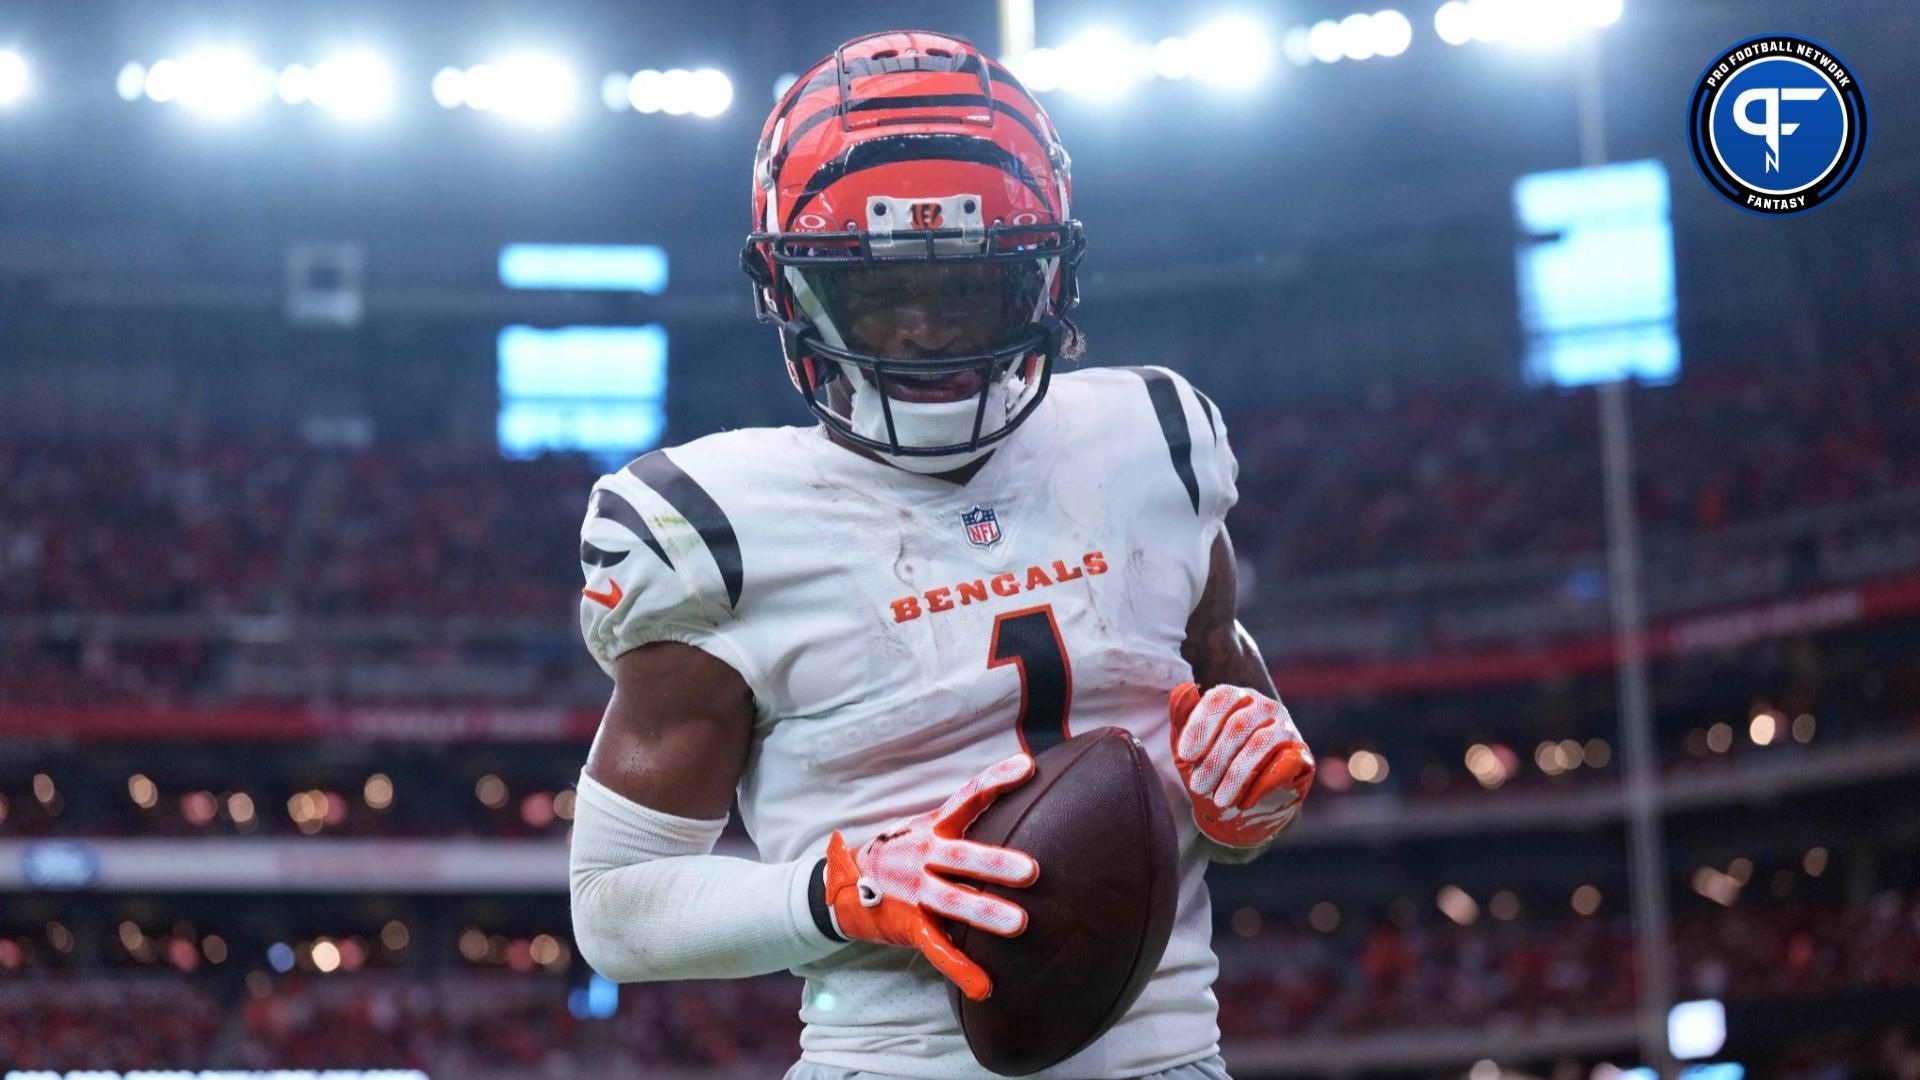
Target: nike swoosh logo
{"points": [[611, 597]]}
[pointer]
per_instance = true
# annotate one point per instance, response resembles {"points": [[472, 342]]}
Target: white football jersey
{"points": [[901, 633]]}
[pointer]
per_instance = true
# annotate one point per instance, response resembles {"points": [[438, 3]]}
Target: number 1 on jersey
{"points": [[1029, 639]]}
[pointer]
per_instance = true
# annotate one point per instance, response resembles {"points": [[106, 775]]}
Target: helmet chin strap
{"points": [[929, 423]]}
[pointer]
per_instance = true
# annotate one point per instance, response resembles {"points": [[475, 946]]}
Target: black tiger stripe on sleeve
{"points": [[609, 505], [685, 495], [1206, 406], [1173, 426]]}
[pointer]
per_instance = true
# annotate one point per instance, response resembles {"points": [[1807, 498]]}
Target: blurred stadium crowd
{"points": [[1419, 521]]}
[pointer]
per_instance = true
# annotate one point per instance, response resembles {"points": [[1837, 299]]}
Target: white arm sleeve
{"points": [[651, 901]]}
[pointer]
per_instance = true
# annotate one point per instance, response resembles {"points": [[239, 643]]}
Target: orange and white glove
{"points": [[1244, 764], [890, 890]]}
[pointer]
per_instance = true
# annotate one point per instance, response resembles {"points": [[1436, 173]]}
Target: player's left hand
{"points": [[1244, 764]]}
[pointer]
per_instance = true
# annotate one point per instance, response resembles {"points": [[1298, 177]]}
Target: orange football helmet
{"points": [[913, 241]]}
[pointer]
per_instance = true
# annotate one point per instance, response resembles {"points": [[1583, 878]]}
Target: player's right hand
{"points": [[890, 889]]}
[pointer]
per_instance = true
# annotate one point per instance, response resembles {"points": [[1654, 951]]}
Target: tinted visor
{"points": [[925, 309]]}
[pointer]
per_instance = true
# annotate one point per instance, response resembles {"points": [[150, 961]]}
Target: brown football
{"points": [[1095, 818]]}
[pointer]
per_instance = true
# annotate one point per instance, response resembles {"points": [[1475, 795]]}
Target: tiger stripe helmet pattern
{"points": [[912, 147]]}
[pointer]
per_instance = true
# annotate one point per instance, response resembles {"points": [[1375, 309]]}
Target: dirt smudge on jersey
{"points": [[903, 566]]}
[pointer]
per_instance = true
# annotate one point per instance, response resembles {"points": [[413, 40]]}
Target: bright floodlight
{"points": [[532, 88], [1232, 51], [1295, 46], [295, 85], [1356, 37], [1173, 58], [480, 87], [1527, 22], [1102, 65], [163, 80], [1598, 13], [1392, 33], [353, 85], [677, 92], [647, 90], [1039, 69], [1323, 41], [450, 87], [1454, 22], [221, 83], [711, 92], [783, 84], [132, 81], [13, 77], [613, 93]]}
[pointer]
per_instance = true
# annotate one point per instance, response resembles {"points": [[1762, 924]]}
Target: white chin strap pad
{"points": [[932, 423], [925, 423]]}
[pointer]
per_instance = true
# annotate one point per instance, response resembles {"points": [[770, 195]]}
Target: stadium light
{"points": [[1536, 23], [676, 92], [1039, 69], [613, 92], [530, 88], [295, 84], [162, 84], [481, 84], [450, 87], [647, 90], [131, 83], [1454, 22], [1233, 50], [1531, 23], [1392, 33], [706, 92], [1600, 13], [221, 83], [1360, 36], [1102, 65], [15, 80], [1323, 41], [1356, 37], [1295, 46], [1173, 58], [783, 84], [353, 86], [712, 92]]}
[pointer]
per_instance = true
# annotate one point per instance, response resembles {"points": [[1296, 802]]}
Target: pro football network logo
{"points": [[983, 526], [1778, 124]]}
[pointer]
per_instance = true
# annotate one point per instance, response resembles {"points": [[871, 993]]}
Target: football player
{"points": [[862, 629]]}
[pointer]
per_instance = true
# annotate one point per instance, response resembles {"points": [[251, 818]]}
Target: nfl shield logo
{"points": [[983, 528]]}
